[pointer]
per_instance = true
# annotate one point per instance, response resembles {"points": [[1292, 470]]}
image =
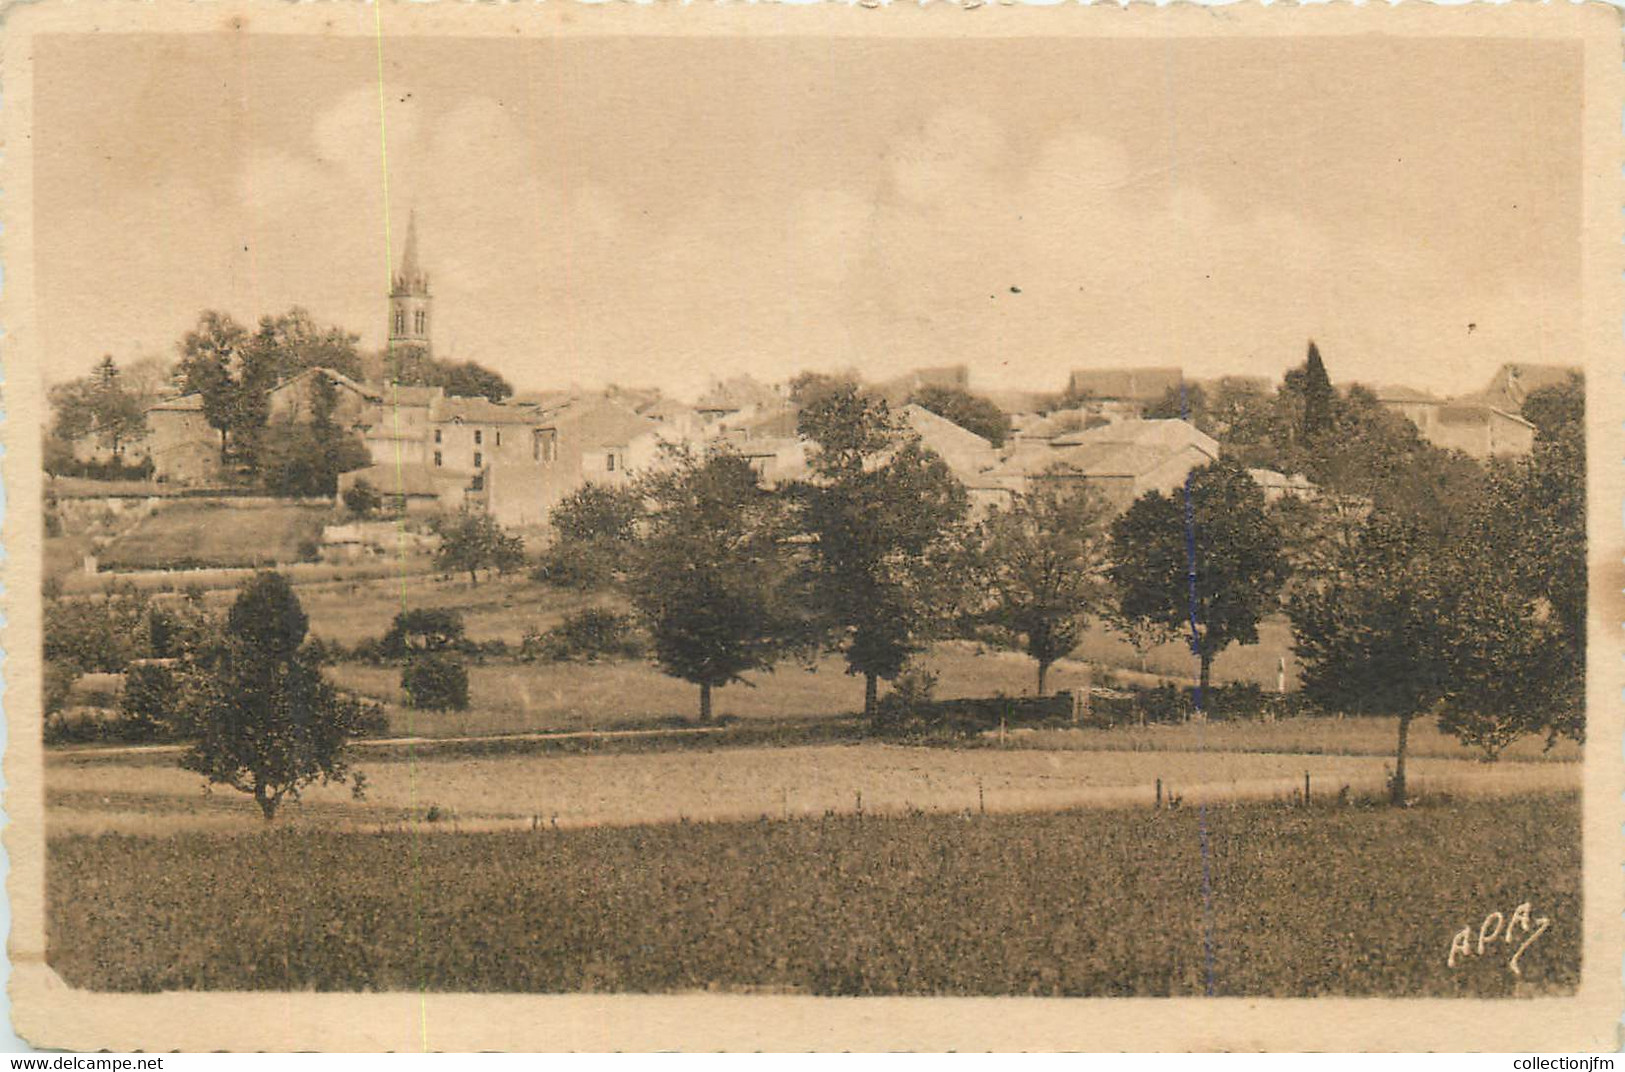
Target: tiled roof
{"points": [[481, 411]]}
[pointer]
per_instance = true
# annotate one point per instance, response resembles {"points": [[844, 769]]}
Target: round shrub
{"points": [[436, 681]]}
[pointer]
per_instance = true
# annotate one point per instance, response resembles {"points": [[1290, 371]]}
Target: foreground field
{"points": [[147, 793], [1250, 900]]}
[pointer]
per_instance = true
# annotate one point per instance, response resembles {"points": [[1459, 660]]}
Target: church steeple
{"points": [[409, 299]]}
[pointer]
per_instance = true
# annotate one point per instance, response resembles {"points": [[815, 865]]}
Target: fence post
{"points": [[1159, 794], [1306, 789], [981, 798]]}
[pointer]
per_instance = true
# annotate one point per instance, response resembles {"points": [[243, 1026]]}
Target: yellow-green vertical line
{"points": [[400, 540]]}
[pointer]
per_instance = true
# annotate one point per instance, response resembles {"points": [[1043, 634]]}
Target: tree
{"points": [[886, 521], [1531, 538], [412, 366], [98, 404], [1182, 402], [598, 512], [287, 345], [435, 681], [713, 577], [594, 525], [1372, 640], [1317, 397], [267, 723], [1558, 411], [474, 541], [971, 412], [211, 356], [362, 499], [1204, 561], [1043, 561], [423, 629], [303, 460], [470, 380]]}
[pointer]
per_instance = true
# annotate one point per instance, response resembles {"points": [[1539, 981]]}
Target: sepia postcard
{"points": [[819, 527]]}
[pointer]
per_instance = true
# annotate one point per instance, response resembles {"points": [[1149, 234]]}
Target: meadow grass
{"points": [[1254, 900], [87, 792], [210, 534]]}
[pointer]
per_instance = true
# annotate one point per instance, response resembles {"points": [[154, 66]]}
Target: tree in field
{"points": [[1043, 561], [470, 542], [211, 357], [1204, 561], [886, 520], [1374, 639], [713, 576], [267, 723], [971, 412], [594, 527], [423, 629]]}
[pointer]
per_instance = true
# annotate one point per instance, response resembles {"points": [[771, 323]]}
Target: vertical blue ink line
{"points": [[1196, 650]]}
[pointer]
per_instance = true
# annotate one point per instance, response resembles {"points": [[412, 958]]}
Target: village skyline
{"points": [[1022, 236]]}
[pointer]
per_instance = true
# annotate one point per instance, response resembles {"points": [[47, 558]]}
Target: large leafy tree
{"points": [[971, 412], [267, 723], [1374, 639], [886, 520], [713, 577], [288, 344], [1043, 561], [210, 365], [1205, 561]]}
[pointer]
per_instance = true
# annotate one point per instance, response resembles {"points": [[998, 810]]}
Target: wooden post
{"points": [[1159, 794], [1306, 789], [860, 803], [981, 798]]}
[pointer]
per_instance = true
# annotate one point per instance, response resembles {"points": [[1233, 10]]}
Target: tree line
{"points": [[1417, 581]]}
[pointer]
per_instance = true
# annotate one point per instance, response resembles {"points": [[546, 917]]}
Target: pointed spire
{"points": [[411, 277]]}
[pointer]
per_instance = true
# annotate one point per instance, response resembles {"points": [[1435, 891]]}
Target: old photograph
{"points": [[761, 507]]}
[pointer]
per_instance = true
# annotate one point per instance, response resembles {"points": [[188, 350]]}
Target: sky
{"points": [[665, 211]]}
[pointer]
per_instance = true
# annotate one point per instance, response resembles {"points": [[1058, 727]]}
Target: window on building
{"points": [[437, 461], [609, 462], [437, 435], [479, 437], [420, 320], [478, 460], [400, 321]]}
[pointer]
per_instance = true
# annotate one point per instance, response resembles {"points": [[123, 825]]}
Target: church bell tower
{"points": [[409, 303]]}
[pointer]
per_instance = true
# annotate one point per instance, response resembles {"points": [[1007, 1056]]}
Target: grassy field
{"points": [[145, 792], [1251, 900], [210, 534], [498, 608]]}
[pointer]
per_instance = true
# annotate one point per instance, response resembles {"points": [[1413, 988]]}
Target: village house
{"points": [[1123, 392], [1475, 428], [1123, 460], [184, 448]]}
